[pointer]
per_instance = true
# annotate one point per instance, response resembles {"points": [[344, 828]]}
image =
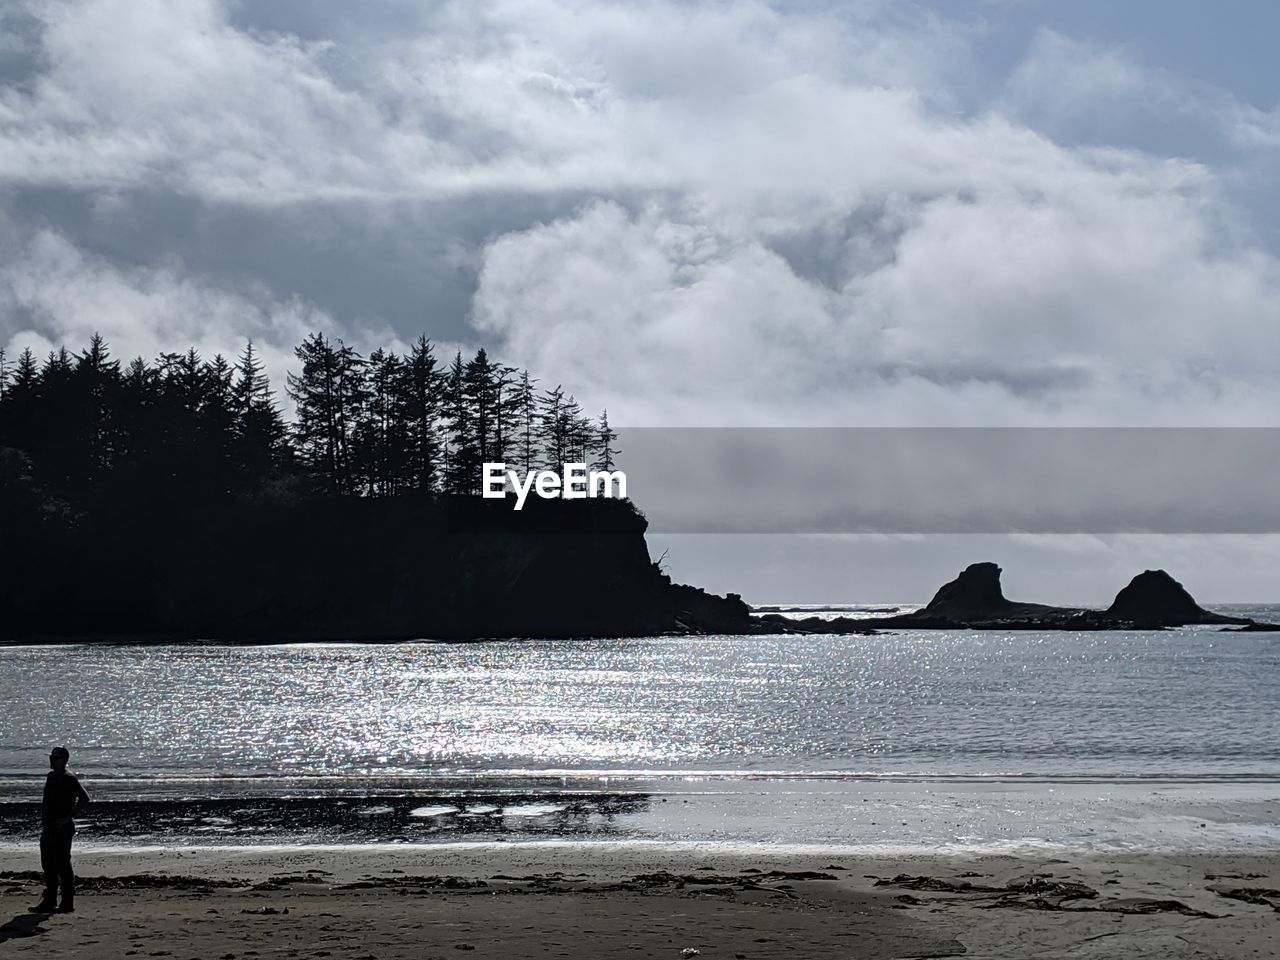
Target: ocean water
{"points": [[910, 738]]}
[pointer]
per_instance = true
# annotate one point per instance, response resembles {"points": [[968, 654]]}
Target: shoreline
{"points": [[517, 901], [606, 860], [861, 815]]}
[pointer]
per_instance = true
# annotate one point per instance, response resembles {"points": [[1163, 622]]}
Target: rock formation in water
{"points": [[1156, 598], [975, 601], [975, 596]]}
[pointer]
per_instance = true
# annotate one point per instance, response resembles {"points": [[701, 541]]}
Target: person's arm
{"points": [[82, 800]]}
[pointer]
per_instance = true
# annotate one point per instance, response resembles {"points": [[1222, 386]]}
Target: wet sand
{"points": [[606, 900]]}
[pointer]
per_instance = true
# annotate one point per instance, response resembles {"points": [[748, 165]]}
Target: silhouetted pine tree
{"points": [[218, 427], [525, 406], [461, 463], [481, 395], [329, 394], [380, 441], [20, 419], [506, 404], [56, 455], [564, 433], [260, 432], [143, 450], [603, 450], [96, 379], [183, 381], [553, 441], [577, 430], [419, 396], [4, 388]]}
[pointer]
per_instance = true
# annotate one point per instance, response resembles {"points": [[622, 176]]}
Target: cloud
{"points": [[1252, 128], [1092, 299], [1079, 91], [513, 94], [52, 294], [1066, 83], [710, 212]]}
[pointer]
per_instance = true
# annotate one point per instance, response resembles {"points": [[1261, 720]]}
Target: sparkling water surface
{"points": [[929, 739], [1191, 702]]}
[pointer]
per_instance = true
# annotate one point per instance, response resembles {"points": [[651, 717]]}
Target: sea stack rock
{"points": [[975, 601], [1154, 597], [974, 595]]}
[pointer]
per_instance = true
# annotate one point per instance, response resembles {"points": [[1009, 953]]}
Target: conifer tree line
{"points": [[376, 426]]}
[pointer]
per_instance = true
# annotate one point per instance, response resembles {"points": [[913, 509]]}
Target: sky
{"points": [[867, 213]]}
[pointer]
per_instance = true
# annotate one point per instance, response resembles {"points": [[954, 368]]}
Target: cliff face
{"points": [[365, 569]]}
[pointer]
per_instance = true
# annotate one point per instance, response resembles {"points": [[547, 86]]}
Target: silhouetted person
{"points": [[64, 799]]}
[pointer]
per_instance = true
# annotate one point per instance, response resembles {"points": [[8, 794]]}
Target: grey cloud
{"points": [[410, 265], [1081, 92], [1089, 305], [320, 20], [51, 294], [742, 213], [21, 54]]}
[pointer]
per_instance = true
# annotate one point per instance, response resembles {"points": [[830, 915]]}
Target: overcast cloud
{"points": [[804, 213]]}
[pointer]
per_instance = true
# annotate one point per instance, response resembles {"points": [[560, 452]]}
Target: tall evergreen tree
{"points": [[506, 411], [218, 427], [553, 439], [330, 394], [460, 459], [577, 431], [480, 393], [380, 435], [183, 382], [140, 430], [97, 377], [56, 450], [20, 421], [260, 432], [525, 408], [419, 396], [603, 449], [187, 373], [25, 373]]}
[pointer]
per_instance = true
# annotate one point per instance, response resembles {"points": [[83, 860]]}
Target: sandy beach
{"points": [[590, 900]]}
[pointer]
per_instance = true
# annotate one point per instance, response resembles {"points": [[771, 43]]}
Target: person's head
{"points": [[58, 758]]}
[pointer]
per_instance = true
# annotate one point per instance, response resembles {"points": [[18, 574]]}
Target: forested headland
{"points": [[83, 429], [172, 497]]}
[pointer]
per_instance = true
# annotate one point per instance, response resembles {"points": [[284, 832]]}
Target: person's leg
{"points": [[49, 864], [65, 874]]}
